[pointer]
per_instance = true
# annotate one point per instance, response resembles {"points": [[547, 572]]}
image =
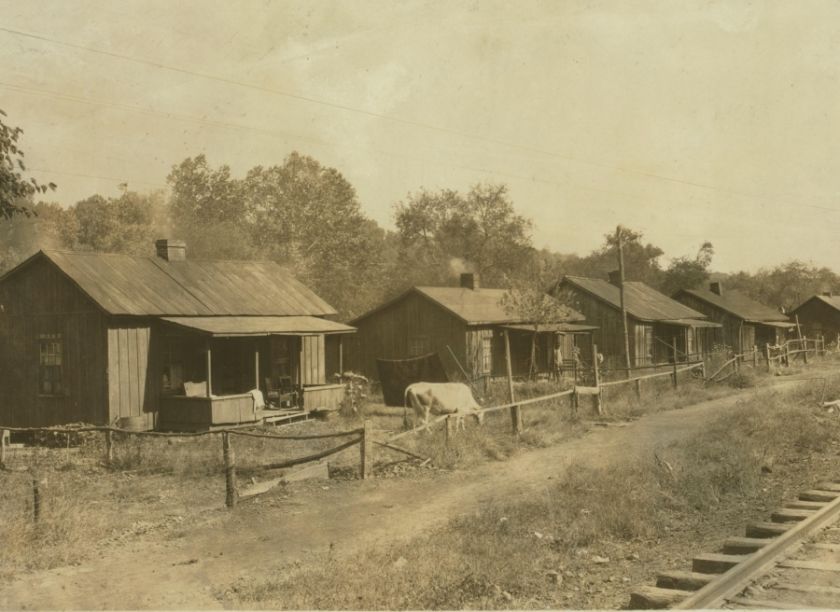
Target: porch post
{"points": [[209, 370], [257, 366], [341, 354]]}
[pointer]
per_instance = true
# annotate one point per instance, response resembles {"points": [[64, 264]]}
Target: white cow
{"points": [[441, 398]]}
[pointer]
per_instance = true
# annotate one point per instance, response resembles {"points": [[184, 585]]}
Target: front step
{"points": [[790, 515], [819, 495], [654, 598], [743, 546], [683, 581], [715, 563], [766, 530]]}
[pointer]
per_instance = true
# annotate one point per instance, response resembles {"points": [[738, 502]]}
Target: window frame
{"points": [[50, 363]]}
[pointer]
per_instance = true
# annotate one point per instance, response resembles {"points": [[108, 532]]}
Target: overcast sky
{"points": [[690, 121]]}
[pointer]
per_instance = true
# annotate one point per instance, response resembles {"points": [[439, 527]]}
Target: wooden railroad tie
{"points": [[729, 571]]}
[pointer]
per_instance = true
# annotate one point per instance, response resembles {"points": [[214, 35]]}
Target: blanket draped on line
{"points": [[396, 374]]}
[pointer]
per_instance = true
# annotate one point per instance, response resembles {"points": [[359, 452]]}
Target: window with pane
{"points": [[486, 355], [50, 364]]}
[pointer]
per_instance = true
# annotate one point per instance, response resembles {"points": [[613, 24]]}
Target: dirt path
{"points": [[187, 570]]}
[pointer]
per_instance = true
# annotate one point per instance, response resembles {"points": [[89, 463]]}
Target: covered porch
{"points": [[692, 338], [571, 341], [223, 371]]}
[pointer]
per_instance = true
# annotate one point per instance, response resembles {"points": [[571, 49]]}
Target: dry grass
{"points": [[152, 483], [543, 552]]}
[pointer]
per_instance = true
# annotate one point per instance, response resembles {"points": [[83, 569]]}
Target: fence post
{"points": [[366, 449], [674, 354], [767, 354], [36, 499], [447, 431], [109, 447], [599, 405], [230, 471], [515, 411], [805, 349]]}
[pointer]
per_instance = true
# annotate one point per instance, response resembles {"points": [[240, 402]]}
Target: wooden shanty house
{"points": [[464, 325], [160, 342], [654, 321], [819, 315], [745, 323]]}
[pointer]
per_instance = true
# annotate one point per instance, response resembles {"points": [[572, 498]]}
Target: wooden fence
{"points": [[361, 436], [780, 355]]}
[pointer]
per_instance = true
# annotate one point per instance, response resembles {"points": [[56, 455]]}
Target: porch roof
{"points": [[260, 326], [690, 323], [569, 328], [780, 324]]}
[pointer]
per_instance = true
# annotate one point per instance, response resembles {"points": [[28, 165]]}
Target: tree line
{"points": [[308, 217]]}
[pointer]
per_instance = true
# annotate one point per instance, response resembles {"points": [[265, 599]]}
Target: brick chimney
{"points": [[716, 288], [171, 250], [615, 278], [469, 280], [827, 293]]}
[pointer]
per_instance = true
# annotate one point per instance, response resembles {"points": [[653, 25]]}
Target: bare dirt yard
{"points": [[377, 530]]}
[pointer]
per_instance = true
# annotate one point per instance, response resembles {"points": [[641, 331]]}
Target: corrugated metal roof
{"points": [[477, 306], [642, 302], [129, 285], [831, 300], [691, 323], [553, 327], [473, 306], [738, 304], [260, 326]]}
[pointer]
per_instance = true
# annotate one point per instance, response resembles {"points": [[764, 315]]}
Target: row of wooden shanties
{"points": [[173, 343]]}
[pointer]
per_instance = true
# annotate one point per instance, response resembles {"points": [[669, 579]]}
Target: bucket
{"points": [[132, 423]]}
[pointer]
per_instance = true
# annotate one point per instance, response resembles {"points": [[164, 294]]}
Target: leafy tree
{"points": [[528, 300], [479, 230], [21, 236], [688, 272], [208, 210], [128, 224], [641, 261], [301, 214], [15, 188], [784, 286]]}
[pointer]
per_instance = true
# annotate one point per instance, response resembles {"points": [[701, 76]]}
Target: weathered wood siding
{"points": [[312, 362], [134, 372], [333, 346], [609, 335], [327, 397], [37, 300], [730, 335], [818, 318], [409, 327], [201, 413]]}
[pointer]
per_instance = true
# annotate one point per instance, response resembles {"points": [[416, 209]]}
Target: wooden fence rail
{"points": [[362, 436]]}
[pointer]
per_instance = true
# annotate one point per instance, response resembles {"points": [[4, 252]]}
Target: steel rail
{"points": [[737, 578]]}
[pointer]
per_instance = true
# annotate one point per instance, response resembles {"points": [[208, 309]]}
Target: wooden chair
{"points": [[282, 394]]}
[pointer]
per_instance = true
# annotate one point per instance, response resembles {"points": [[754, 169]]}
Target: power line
{"points": [[149, 111], [93, 176], [394, 119]]}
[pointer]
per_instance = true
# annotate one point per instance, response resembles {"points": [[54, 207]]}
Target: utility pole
{"points": [[620, 244]]}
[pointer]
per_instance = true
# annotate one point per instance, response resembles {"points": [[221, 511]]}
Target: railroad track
{"points": [[790, 562]]}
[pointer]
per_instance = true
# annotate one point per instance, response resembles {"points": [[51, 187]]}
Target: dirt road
{"points": [[188, 568]]}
